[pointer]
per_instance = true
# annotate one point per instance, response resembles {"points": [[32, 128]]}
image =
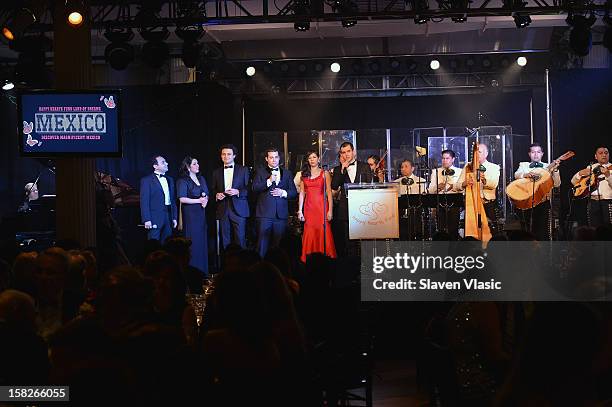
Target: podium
{"points": [[373, 210]]}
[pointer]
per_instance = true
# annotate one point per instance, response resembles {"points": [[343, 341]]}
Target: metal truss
{"points": [[127, 13], [478, 81]]}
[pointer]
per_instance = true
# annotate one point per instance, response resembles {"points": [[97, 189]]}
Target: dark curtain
{"points": [[582, 113]]}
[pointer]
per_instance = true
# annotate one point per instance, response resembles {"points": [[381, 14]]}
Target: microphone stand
{"points": [[324, 210]]}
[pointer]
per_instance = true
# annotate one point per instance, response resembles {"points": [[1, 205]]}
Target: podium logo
{"points": [[374, 212]]}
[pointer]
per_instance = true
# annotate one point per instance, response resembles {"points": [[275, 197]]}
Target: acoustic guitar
{"points": [[588, 183], [526, 193]]}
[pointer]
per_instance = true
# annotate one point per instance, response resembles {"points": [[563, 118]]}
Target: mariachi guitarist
{"points": [[538, 219], [597, 176]]}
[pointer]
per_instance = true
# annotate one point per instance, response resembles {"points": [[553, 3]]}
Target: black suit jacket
{"points": [[363, 174], [269, 206], [152, 200], [240, 181]]}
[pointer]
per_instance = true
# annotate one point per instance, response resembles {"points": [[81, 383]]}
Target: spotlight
{"points": [[349, 22], [284, 67], [521, 61], [459, 7], [191, 46], [21, 19], [434, 64], [454, 64], [418, 6], [302, 68], [119, 53], [470, 62], [486, 63], [250, 71], [301, 10], [412, 65], [155, 51], [7, 85], [580, 35], [301, 26], [347, 9], [394, 63], [505, 62], [75, 12], [374, 66], [521, 20], [335, 67], [318, 67], [268, 67], [357, 67]]}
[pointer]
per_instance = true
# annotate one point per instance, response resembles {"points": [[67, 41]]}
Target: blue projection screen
{"points": [[80, 123]]}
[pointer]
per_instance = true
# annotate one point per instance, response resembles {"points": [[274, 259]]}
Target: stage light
{"points": [[470, 62], [155, 51], [580, 35], [7, 85], [357, 67], [75, 12], [521, 20], [318, 67], [419, 6], [374, 66], [434, 64], [301, 10], [191, 46], [347, 9], [521, 61], [21, 19], [302, 68], [335, 67], [394, 63], [118, 54], [454, 64], [284, 67], [250, 71], [412, 65], [486, 63], [505, 62], [459, 7], [301, 26]]}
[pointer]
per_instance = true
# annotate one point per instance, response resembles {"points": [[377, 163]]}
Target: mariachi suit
{"points": [[153, 206], [271, 212], [232, 211], [340, 224]]}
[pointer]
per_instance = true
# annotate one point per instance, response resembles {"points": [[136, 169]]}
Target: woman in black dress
{"points": [[192, 191]]}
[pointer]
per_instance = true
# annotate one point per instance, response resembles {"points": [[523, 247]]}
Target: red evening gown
{"points": [[312, 240]]}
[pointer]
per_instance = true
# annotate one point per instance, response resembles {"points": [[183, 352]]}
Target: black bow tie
{"points": [[160, 175], [274, 169], [228, 166], [536, 165], [353, 163]]}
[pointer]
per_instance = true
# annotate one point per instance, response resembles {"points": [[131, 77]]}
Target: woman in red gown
{"points": [[312, 211]]}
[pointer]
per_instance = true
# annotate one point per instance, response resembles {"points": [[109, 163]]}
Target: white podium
{"points": [[373, 211]]}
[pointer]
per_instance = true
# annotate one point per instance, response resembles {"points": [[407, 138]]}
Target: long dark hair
{"points": [[305, 166], [184, 169]]}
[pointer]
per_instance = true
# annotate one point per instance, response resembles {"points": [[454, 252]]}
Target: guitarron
{"points": [[526, 193]]}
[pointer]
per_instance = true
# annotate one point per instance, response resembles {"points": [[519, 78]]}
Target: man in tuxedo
{"points": [[537, 220], [349, 171], [274, 186], [230, 186], [158, 201]]}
